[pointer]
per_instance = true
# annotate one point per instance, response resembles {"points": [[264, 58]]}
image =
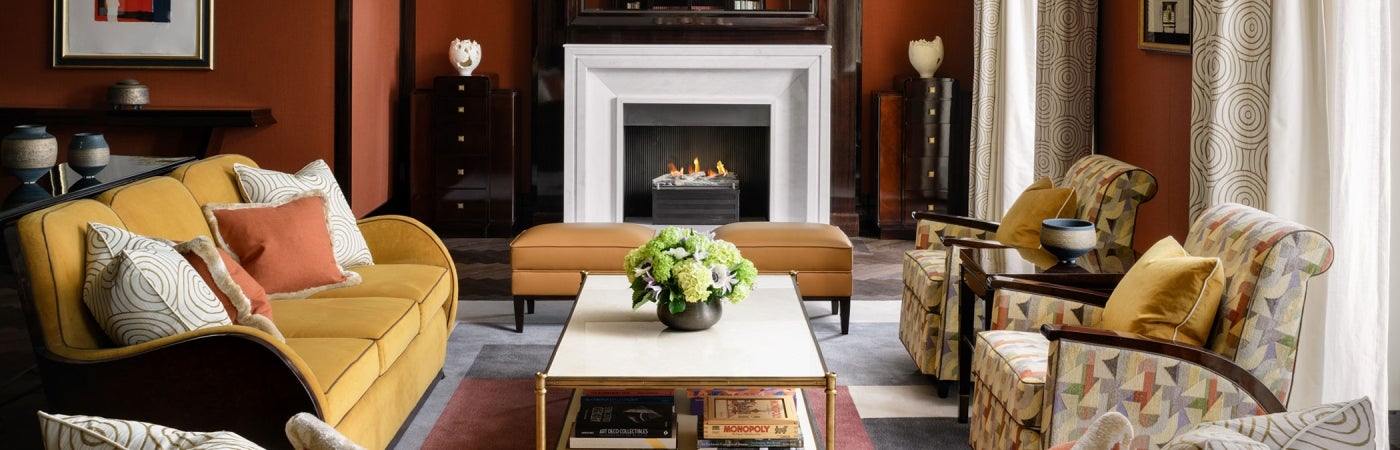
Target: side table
{"points": [[978, 282]]}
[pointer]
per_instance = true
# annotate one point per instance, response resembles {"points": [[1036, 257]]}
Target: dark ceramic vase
{"points": [[696, 317], [1067, 239], [88, 154], [29, 152]]}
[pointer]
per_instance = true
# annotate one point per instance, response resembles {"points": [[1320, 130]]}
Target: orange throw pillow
{"points": [[285, 246], [243, 297]]}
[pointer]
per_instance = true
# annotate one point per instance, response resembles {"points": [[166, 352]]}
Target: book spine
{"points": [[750, 431], [748, 443]]}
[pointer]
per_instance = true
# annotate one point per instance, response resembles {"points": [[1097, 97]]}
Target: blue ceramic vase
{"points": [[29, 152], [1067, 239], [88, 154]]}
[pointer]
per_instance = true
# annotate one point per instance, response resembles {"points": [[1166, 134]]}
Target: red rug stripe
{"points": [[500, 414]]}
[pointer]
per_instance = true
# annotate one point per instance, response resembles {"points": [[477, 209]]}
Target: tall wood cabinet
{"points": [[473, 140], [921, 136]]}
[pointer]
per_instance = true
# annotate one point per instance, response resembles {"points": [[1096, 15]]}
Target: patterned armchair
{"points": [[1034, 389], [1109, 192]]}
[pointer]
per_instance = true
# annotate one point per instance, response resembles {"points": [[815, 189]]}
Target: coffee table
{"points": [[764, 341]]}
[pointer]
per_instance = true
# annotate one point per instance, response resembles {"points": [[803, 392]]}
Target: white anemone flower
{"points": [[724, 279], [678, 253]]}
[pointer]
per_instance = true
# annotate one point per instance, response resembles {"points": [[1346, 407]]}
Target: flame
{"points": [[695, 167], [671, 168], [719, 165]]}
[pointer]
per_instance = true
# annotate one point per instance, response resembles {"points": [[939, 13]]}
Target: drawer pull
{"points": [[461, 138], [933, 89], [461, 87], [932, 111], [461, 109], [932, 174], [464, 206], [933, 140], [930, 207], [461, 171]]}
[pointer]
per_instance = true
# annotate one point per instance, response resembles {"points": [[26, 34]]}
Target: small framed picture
{"points": [[147, 34], [1165, 26]]}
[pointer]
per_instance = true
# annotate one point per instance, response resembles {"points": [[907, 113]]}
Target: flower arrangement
{"points": [[681, 266]]}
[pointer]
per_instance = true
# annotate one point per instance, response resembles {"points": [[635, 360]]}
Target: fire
{"points": [[719, 165], [671, 168], [694, 169]]}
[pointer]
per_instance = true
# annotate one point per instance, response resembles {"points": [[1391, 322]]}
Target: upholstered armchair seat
{"points": [[1045, 371], [1108, 192]]}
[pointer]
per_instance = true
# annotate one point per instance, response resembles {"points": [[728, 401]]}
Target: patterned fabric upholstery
{"points": [[1025, 311], [1267, 262], [1214, 437], [1331, 426], [1109, 192]]}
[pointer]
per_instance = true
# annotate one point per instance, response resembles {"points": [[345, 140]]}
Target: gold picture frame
{"points": [[147, 34], [1165, 26]]}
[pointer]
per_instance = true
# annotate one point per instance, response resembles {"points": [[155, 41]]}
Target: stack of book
{"points": [[766, 418], [625, 419]]}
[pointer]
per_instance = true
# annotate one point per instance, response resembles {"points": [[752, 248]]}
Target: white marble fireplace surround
{"points": [[793, 80]]}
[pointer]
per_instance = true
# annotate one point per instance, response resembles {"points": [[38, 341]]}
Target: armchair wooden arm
{"points": [[1066, 291], [972, 243], [1192, 355], [962, 221], [230, 381]]}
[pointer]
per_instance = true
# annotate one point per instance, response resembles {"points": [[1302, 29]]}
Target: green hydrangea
{"points": [[739, 293], [723, 252], [694, 280], [697, 244], [633, 259]]}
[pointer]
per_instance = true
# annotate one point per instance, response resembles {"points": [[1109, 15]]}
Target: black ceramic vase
{"points": [[696, 317]]}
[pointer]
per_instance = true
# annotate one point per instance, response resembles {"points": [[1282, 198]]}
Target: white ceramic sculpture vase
{"points": [[465, 55], [926, 56]]}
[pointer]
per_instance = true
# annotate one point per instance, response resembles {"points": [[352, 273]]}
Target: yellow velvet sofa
{"points": [[360, 357]]}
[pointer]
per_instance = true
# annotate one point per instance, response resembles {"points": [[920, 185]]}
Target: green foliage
{"points": [[680, 265]]}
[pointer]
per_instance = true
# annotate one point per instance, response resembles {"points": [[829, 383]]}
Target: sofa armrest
{"points": [[395, 239], [230, 378]]}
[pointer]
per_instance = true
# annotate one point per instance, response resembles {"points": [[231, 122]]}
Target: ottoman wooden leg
{"points": [[836, 307], [845, 314], [530, 306], [520, 314]]}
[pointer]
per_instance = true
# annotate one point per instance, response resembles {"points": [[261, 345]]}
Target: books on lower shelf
{"points": [[625, 419]]}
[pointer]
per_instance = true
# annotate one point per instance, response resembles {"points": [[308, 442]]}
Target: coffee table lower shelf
{"points": [[687, 424]]}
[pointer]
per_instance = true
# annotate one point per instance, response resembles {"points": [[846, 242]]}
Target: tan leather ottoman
{"points": [[819, 253], [546, 261]]}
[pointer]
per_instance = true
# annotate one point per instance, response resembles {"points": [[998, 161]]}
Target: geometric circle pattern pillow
{"points": [[88, 432], [139, 289], [267, 186]]}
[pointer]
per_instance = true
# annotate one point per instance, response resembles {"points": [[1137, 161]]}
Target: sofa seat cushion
{"points": [[924, 272], [391, 323], [1013, 364], [344, 367], [428, 286]]}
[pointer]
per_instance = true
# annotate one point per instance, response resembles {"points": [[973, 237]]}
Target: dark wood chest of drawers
{"points": [[921, 131], [472, 157]]}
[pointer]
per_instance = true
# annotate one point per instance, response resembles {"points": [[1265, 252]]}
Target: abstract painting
{"points": [[147, 34]]}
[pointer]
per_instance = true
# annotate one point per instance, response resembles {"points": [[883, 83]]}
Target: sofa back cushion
{"points": [[212, 180], [54, 242], [158, 207]]}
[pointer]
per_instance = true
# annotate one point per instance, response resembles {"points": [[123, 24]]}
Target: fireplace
{"points": [[727, 95], [673, 156]]}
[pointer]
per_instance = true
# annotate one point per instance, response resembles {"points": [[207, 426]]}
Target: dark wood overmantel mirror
{"points": [[696, 14]]}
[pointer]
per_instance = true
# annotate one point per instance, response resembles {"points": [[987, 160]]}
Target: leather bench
{"points": [[819, 253], [547, 261]]}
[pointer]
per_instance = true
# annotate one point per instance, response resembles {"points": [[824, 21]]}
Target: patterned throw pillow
{"points": [[1331, 426], [139, 289], [243, 297], [284, 245], [265, 186], [88, 432]]}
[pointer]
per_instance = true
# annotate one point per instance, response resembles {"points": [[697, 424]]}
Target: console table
{"points": [[211, 121]]}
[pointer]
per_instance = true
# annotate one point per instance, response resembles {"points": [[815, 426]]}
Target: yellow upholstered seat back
{"points": [[158, 207], [54, 241], [211, 180]]}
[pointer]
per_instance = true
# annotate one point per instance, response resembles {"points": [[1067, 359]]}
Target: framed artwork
{"points": [[1165, 26], [133, 34]]}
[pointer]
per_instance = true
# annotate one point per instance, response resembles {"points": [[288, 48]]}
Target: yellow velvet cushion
{"points": [[1167, 294], [1020, 227]]}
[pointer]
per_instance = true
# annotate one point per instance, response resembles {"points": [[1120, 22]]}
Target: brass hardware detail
{"points": [[933, 140], [461, 87], [461, 109], [933, 89], [932, 174], [464, 172], [932, 111], [461, 138], [462, 206], [930, 207]]}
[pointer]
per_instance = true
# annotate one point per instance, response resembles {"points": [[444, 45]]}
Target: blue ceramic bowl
{"points": [[1067, 239]]}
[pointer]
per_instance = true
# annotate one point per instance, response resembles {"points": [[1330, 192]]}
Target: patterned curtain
{"points": [[1032, 95], [1232, 44], [1066, 49]]}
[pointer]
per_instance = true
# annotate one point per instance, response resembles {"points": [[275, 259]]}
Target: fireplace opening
{"points": [[695, 139]]}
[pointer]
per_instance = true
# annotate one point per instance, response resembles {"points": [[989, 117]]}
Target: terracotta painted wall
{"points": [[888, 26], [374, 85], [270, 53], [1144, 118]]}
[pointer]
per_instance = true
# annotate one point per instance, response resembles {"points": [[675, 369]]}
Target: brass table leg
{"points": [[830, 411], [540, 440]]}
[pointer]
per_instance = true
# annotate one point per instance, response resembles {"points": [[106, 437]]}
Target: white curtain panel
{"points": [[1067, 48], [1231, 47], [1003, 104], [1329, 167]]}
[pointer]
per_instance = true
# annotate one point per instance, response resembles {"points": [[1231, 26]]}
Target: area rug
{"points": [[500, 414]]}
